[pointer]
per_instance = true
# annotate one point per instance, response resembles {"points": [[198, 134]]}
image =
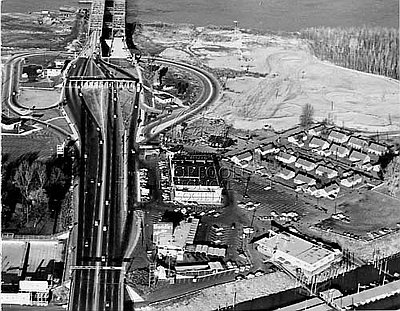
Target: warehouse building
{"points": [[290, 250], [195, 179]]}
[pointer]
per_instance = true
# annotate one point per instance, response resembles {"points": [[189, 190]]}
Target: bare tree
{"points": [[306, 117]]}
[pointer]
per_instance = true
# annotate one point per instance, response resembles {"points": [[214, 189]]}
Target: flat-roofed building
{"points": [[195, 178], [292, 250], [174, 244]]}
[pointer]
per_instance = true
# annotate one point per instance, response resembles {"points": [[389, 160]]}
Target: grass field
{"points": [[368, 212]]}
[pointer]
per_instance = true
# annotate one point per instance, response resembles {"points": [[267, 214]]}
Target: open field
{"points": [[268, 79], [38, 98], [368, 212]]}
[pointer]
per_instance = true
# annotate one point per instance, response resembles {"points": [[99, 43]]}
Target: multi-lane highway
{"points": [[98, 274]]}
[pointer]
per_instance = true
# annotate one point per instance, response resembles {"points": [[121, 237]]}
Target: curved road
{"points": [[209, 95]]}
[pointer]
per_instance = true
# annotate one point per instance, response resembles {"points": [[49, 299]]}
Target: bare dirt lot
{"points": [[269, 78]]}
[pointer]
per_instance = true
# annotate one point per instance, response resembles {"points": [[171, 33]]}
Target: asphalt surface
{"points": [[98, 278]]}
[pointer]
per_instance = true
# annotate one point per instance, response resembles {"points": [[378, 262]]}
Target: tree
{"points": [[306, 117]]}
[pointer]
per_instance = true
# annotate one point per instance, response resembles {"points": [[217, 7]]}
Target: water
{"points": [[285, 15], [25, 6]]}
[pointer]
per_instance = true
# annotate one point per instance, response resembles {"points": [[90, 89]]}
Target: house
{"points": [[305, 164], [356, 156], [285, 157], [332, 190], [264, 172], [357, 143], [242, 159], [267, 149], [304, 179], [298, 139], [316, 130], [286, 174], [302, 187], [330, 173], [339, 151], [351, 180], [377, 149], [164, 98], [338, 137], [318, 143]]}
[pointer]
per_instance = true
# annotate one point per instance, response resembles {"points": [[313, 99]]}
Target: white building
{"points": [[267, 149], [377, 149], [316, 130], [285, 157], [289, 249], [356, 156], [338, 137], [339, 151], [303, 179], [305, 164], [351, 180], [330, 173], [318, 143], [242, 159], [357, 143], [286, 174]]}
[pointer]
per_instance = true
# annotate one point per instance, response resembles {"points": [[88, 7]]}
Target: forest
{"points": [[368, 49]]}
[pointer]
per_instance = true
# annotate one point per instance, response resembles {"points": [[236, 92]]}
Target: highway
{"points": [[98, 277]]}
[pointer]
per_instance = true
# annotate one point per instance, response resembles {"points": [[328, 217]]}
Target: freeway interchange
{"points": [[107, 230]]}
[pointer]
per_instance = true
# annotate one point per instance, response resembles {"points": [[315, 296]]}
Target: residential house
{"points": [[286, 174], [357, 143], [285, 157], [305, 164], [338, 137], [330, 173], [377, 149], [242, 159], [318, 143], [304, 179], [339, 151], [351, 180], [264, 172], [357, 156], [298, 139], [316, 130], [332, 190], [269, 148]]}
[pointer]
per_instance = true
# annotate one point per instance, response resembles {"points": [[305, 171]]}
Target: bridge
{"points": [[91, 88]]}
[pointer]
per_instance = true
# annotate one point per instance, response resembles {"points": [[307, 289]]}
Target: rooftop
{"points": [[296, 247]]}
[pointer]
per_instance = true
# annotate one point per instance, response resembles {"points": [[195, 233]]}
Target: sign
{"points": [[33, 286]]}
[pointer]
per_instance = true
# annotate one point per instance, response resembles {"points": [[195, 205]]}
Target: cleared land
{"points": [[269, 78]]}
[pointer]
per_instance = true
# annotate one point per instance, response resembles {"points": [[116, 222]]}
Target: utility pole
{"points": [[245, 195]]}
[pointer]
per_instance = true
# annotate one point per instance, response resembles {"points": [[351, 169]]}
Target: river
{"points": [[285, 15]]}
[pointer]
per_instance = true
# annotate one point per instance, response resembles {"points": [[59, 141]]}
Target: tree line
{"points": [[368, 49]]}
